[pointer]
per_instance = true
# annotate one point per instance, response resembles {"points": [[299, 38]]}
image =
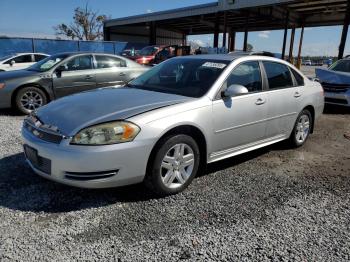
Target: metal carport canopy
{"points": [[255, 14]]}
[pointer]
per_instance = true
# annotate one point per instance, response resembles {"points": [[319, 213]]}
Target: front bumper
{"points": [[127, 160], [342, 99]]}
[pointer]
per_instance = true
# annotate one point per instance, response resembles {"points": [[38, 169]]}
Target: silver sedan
{"points": [[167, 124]]}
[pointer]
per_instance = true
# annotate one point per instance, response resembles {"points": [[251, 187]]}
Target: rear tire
{"points": [[29, 99], [174, 165], [301, 130]]}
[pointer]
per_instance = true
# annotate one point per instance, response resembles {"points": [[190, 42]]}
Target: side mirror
{"points": [[12, 62], [234, 90], [60, 69]]}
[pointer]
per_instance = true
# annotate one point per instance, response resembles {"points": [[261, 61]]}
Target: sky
{"points": [[36, 18]]}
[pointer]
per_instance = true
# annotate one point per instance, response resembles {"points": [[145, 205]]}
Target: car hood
{"points": [[73, 113], [332, 77], [8, 75]]}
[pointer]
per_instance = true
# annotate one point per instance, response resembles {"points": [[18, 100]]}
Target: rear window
{"points": [[298, 77], [278, 75]]}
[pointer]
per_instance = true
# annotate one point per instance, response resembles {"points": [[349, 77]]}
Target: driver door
{"points": [[78, 75], [240, 121]]}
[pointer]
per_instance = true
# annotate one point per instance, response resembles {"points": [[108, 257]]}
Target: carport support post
{"points": [[232, 41], [285, 35], [300, 47], [216, 31], [345, 31], [245, 43], [153, 33], [225, 30], [291, 46]]}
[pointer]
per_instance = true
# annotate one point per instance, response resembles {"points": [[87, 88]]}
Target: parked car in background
{"points": [[147, 55], [152, 55], [336, 82], [171, 121], [64, 74], [20, 61], [307, 62]]}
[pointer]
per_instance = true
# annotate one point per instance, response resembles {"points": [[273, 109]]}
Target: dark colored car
{"points": [[64, 74]]}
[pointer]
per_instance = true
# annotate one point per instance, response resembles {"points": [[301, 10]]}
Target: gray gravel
{"points": [[273, 204]]}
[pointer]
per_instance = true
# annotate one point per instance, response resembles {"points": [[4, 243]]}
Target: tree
{"points": [[249, 47], [86, 25]]}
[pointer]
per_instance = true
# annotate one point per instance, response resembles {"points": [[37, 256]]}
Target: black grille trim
{"points": [[335, 88], [86, 176], [42, 134], [336, 101]]}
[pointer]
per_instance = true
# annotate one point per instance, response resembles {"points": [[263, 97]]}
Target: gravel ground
{"points": [[272, 204]]}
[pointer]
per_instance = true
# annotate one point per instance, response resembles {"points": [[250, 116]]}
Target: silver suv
{"points": [[166, 124]]}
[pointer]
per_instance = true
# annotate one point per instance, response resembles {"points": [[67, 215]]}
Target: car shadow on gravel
{"points": [[9, 112], [336, 110], [21, 189]]}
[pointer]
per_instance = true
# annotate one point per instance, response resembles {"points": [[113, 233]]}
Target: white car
{"points": [[20, 61]]}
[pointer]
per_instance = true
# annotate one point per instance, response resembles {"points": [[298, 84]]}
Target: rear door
{"points": [[111, 71], [240, 120], [78, 75], [282, 99]]}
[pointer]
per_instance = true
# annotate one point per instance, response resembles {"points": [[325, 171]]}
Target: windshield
{"points": [[48, 63], [181, 76], [341, 66], [149, 50]]}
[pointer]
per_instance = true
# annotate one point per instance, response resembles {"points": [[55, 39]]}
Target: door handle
{"points": [[122, 74], [88, 77], [297, 94], [260, 101]]}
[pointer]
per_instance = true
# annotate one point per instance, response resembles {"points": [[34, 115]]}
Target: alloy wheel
{"points": [[302, 129], [177, 166], [31, 100]]}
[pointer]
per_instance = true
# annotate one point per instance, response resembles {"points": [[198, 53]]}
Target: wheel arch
{"points": [[311, 109], [15, 92], [185, 129]]}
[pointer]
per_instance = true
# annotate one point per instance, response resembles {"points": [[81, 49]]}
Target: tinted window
{"points": [[21, 59], [39, 57], [278, 75], [109, 62], [341, 66], [248, 75], [79, 63], [298, 77], [191, 77]]}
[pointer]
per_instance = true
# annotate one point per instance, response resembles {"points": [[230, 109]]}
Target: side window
{"points": [[278, 75], [39, 57], [79, 63], [21, 59], [109, 62], [246, 74], [298, 77]]}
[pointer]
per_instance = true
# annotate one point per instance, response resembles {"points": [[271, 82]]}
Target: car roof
{"points": [[231, 57]]}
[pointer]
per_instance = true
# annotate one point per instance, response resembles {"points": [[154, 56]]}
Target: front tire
{"points": [[173, 166], [29, 99], [301, 129]]}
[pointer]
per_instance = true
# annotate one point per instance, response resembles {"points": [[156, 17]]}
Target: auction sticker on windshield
{"points": [[214, 65]]}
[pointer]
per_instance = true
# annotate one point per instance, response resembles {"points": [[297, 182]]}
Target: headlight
{"points": [[107, 134]]}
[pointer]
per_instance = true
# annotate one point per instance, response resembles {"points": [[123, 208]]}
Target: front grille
{"points": [[336, 101], [90, 175], [42, 134], [41, 163], [335, 88]]}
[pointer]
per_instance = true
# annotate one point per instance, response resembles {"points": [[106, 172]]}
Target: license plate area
{"points": [[38, 162], [32, 155]]}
